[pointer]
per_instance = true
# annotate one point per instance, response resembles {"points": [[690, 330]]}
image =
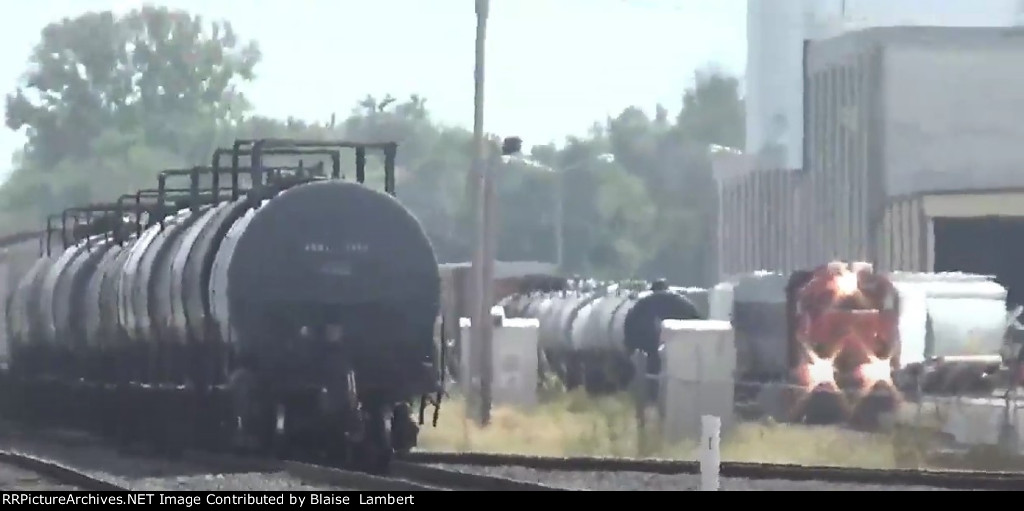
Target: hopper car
{"points": [[266, 307]]}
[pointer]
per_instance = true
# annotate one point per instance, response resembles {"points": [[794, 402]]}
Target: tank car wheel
{"points": [[404, 431], [595, 380], [250, 426], [373, 452], [573, 373], [175, 430]]}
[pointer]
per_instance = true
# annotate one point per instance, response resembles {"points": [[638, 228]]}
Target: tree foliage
{"points": [[108, 101], [155, 69]]}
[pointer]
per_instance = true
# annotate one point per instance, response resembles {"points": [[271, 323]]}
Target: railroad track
{"points": [[975, 480], [57, 472], [73, 460], [456, 480], [404, 476]]}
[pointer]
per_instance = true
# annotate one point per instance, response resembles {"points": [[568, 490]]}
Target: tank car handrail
{"points": [[109, 209], [197, 195], [390, 149], [282, 182], [206, 195], [193, 173], [237, 150], [49, 234], [256, 153], [138, 207]]}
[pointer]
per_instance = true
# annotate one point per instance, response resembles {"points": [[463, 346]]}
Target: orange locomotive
{"points": [[817, 346], [844, 344]]}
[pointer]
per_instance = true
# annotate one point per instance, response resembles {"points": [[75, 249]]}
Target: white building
{"points": [[775, 33]]}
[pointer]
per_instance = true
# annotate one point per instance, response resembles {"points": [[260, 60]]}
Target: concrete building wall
{"points": [[775, 33], [894, 117], [953, 114]]}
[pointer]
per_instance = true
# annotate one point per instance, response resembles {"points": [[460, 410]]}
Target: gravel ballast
{"points": [[639, 481], [145, 473], [18, 479]]}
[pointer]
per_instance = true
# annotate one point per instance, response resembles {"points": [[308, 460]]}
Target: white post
{"points": [[710, 457]]}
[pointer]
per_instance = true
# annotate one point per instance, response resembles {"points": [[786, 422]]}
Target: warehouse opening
{"points": [[991, 245]]}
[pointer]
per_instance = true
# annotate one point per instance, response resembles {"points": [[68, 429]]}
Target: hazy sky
{"points": [[554, 66]]}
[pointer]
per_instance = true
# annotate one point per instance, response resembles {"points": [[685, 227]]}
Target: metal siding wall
{"points": [[844, 187], [721, 231], [847, 207], [740, 210], [942, 137], [743, 243], [831, 170], [906, 240], [903, 262], [734, 249], [929, 241], [760, 222], [899, 236], [786, 220], [916, 231], [727, 227], [806, 229], [787, 203], [886, 254], [819, 144], [861, 217]]}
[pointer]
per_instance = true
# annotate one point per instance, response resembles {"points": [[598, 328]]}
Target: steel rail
{"points": [[977, 480], [456, 480], [403, 476], [58, 472]]}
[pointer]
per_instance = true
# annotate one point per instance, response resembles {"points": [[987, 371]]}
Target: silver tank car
{"points": [[300, 311], [587, 336], [332, 252]]}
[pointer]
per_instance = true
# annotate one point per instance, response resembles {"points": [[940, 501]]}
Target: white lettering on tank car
{"points": [[346, 248]]}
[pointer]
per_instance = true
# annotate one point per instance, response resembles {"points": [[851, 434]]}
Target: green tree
{"points": [[109, 97], [110, 100], [672, 160], [155, 69], [607, 211], [116, 162], [432, 166]]}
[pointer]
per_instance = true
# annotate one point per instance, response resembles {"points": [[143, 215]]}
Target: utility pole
{"points": [[480, 353]]}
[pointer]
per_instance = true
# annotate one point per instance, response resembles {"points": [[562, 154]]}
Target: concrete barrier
{"points": [[514, 358], [699, 361]]}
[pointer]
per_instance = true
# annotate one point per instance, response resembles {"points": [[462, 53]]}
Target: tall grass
{"points": [[568, 424]]}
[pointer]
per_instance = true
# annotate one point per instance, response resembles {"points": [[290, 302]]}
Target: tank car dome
{"points": [[335, 242], [642, 321]]}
